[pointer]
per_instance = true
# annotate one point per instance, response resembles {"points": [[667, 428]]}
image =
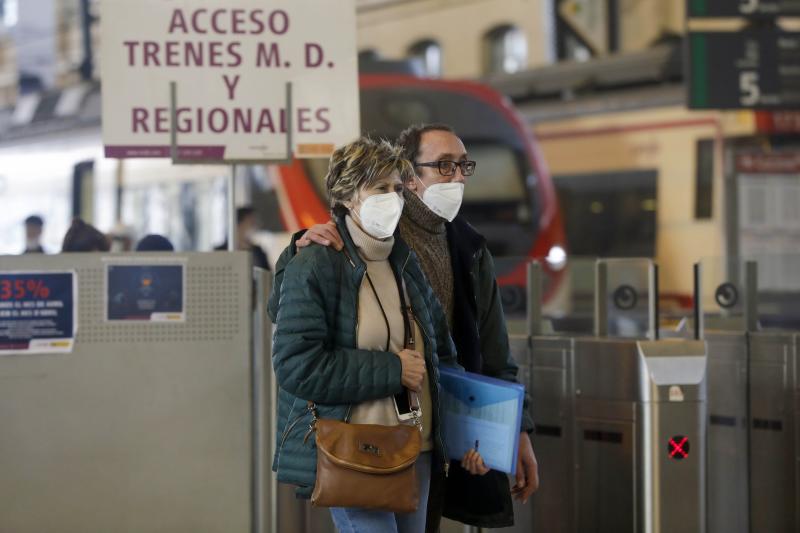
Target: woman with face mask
{"points": [[341, 335]]}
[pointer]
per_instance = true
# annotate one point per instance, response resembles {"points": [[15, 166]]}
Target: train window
{"points": [[505, 50], [429, 54], [704, 179], [610, 214], [404, 111], [497, 177]]}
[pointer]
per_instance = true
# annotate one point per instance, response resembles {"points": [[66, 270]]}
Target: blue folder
{"points": [[484, 412]]}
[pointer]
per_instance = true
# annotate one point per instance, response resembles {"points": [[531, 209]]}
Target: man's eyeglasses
{"points": [[448, 168]]}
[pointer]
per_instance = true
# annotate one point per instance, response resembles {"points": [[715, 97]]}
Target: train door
{"points": [[610, 214]]}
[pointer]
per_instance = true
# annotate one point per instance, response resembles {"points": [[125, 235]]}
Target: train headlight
{"points": [[556, 257]]}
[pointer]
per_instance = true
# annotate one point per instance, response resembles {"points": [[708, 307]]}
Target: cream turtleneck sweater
{"points": [[372, 334]]}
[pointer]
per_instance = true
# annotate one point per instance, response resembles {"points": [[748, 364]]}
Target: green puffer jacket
{"points": [[315, 354]]}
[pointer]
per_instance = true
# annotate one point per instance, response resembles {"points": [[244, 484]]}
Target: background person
{"points": [[34, 225], [83, 237], [154, 243], [246, 226]]}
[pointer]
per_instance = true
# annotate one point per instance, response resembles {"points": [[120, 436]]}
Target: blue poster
{"points": [[151, 293], [38, 312]]}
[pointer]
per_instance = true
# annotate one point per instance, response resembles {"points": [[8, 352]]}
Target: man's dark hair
{"points": [[34, 220], [244, 212], [409, 139], [83, 237]]}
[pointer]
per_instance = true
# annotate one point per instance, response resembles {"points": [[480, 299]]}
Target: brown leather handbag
{"points": [[368, 466]]}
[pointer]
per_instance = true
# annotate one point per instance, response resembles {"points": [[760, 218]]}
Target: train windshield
{"points": [[499, 199]]}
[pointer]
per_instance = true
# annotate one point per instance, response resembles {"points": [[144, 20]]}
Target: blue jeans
{"points": [[353, 520]]}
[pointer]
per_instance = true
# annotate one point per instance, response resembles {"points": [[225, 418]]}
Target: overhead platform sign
{"points": [[230, 61], [743, 8], [748, 69]]}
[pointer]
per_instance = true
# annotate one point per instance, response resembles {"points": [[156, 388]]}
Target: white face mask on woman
{"points": [[380, 214], [444, 199]]}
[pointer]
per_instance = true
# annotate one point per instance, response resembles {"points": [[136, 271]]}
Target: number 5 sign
{"points": [[750, 69]]}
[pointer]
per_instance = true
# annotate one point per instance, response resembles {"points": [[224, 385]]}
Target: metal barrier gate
{"points": [[109, 437], [621, 421], [754, 480], [144, 426]]}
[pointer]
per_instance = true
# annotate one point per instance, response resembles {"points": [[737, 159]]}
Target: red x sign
{"points": [[678, 447]]}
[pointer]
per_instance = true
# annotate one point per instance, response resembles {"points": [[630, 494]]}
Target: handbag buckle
{"points": [[312, 426], [417, 421], [369, 448]]}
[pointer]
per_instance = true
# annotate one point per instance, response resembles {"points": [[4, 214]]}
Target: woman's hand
{"points": [[413, 369], [473, 463]]}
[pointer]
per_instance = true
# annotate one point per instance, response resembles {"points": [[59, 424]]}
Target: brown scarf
{"points": [[424, 231]]}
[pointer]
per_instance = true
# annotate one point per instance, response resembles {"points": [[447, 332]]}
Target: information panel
{"points": [[743, 8], [230, 61], [150, 293], [751, 69], [38, 312]]}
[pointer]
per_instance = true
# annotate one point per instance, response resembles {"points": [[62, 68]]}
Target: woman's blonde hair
{"points": [[359, 165]]}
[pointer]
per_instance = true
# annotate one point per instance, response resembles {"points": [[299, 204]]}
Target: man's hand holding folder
{"points": [[484, 413]]}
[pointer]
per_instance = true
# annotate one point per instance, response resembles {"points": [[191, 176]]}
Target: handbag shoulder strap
{"points": [[409, 341]]}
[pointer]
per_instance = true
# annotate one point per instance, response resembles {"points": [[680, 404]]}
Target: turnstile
{"points": [[728, 509], [753, 478], [621, 431], [773, 432], [640, 412], [552, 386]]}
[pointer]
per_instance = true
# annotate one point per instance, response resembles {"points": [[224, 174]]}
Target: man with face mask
{"points": [[457, 262]]}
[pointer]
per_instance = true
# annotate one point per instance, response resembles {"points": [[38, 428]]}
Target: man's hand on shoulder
{"points": [[324, 234]]}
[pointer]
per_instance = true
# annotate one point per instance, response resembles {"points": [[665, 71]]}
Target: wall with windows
{"points": [[449, 38], [474, 37]]}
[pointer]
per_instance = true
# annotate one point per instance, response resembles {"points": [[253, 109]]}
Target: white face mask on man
{"points": [[444, 199], [380, 213]]}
